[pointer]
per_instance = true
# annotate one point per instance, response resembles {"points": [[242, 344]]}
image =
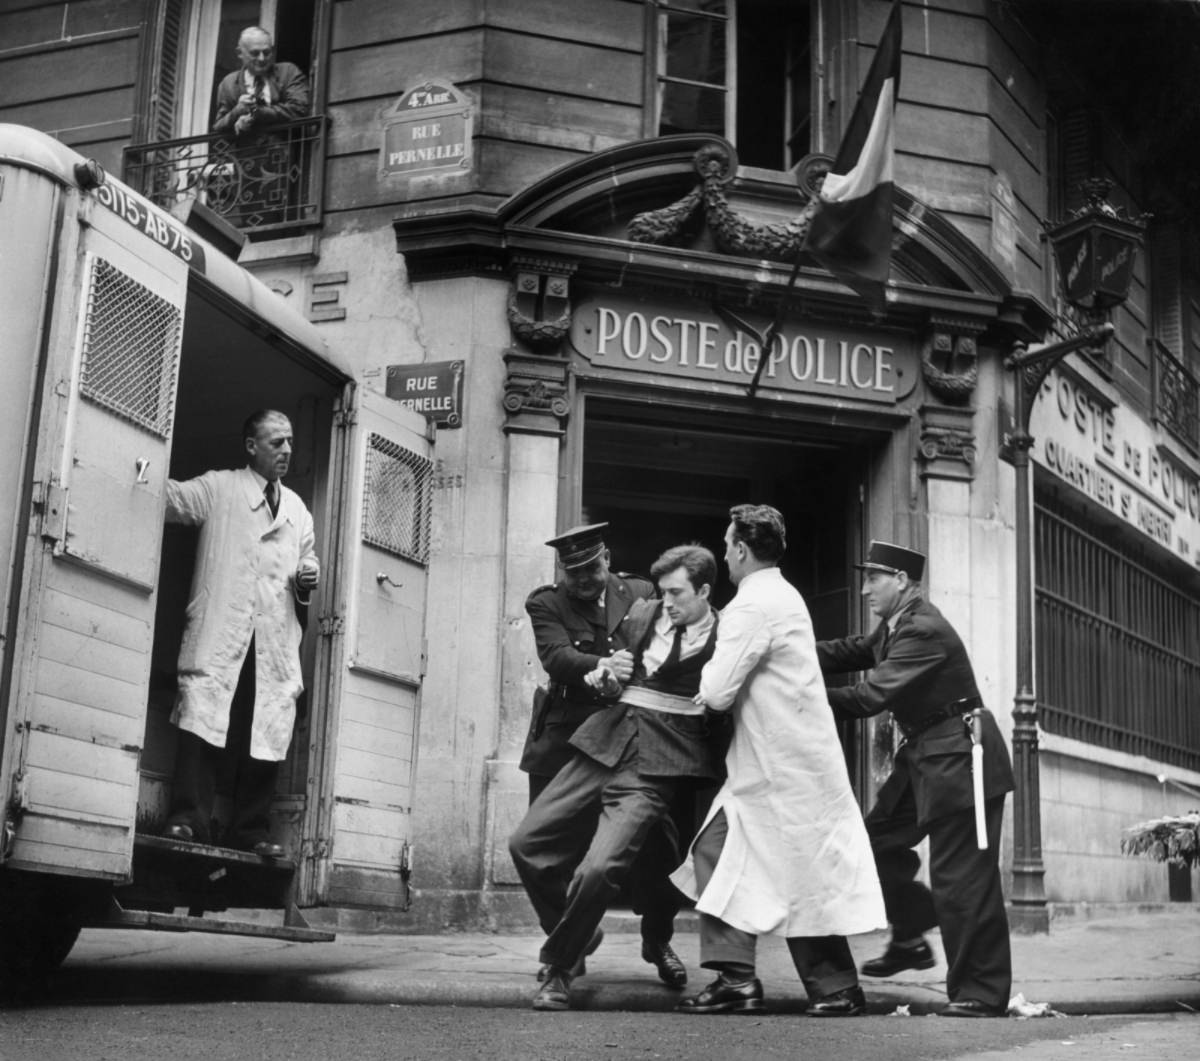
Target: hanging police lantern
{"points": [[1095, 250]]}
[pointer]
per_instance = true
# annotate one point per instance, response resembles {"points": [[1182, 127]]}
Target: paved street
{"points": [[190, 1031], [1133, 963], [1130, 985]]}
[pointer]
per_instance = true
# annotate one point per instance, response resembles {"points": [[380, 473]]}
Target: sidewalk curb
{"points": [[653, 998]]}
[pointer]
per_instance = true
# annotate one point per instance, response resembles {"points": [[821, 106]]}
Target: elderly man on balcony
{"points": [[251, 101], [263, 92]]}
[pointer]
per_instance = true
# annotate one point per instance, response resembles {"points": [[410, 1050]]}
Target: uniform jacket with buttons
{"points": [[668, 745], [572, 636], [920, 669], [243, 587]]}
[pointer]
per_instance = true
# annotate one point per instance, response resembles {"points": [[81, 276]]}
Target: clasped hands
{"points": [[611, 672], [244, 113]]}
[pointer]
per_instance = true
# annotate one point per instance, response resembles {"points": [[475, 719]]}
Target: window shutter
{"points": [[1167, 287], [1080, 154], [164, 120]]}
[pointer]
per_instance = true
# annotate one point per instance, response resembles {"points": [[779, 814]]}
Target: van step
{"points": [[211, 853], [170, 874], [116, 916]]}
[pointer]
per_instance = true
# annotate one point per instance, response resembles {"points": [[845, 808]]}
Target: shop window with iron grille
{"points": [[398, 500], [1118, 639], [741, 69], [131, 341]]}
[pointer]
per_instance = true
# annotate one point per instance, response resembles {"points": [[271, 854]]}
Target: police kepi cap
{"points": [[884, 556], [579, 545]]}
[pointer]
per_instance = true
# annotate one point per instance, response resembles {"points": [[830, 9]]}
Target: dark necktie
{"points": [[676, 647], [260, 96], [272, 494]]}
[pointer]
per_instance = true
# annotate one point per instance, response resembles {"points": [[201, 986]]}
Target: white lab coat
{"points": [[243, 585], [797, 861]]}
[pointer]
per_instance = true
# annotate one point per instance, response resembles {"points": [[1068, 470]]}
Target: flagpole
{"points": [[863, 168], [768, 340]]}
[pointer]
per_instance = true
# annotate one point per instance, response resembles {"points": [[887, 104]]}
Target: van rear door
{"points": [[87, 631], [361, 839]]}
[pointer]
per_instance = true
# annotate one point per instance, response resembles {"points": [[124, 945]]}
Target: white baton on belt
{"points": [[981, 839]]}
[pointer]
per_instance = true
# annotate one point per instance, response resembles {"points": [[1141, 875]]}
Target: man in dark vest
{"points": [[917, 668], [629, 763]]}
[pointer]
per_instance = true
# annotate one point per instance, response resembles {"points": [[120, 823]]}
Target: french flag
{"points": [[850, 233]]}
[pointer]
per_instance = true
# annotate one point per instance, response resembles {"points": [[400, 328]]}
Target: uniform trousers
{"points": [[824, 963], [577, 845], [201, 768], [964, 898]]}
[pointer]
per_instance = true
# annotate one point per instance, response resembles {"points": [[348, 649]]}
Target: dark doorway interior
{"points": [[662, 480], [227, 370]]}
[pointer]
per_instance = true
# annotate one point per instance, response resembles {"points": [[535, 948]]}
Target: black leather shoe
{"points": [[849, 1002], [266, 849], [555, 993], [671, 970], [726, 996], [179, 831], [896, 959], [972, 1007]]}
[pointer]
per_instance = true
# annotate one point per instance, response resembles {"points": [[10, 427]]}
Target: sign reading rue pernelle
{"points": [[433, 389], [428, 131]]}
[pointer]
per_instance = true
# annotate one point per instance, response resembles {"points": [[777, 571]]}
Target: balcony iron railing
{"points": [[1176, 396], [260, 184]]}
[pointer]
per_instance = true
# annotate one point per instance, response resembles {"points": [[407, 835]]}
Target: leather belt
{"points": [[640, 696], [959, 707]]}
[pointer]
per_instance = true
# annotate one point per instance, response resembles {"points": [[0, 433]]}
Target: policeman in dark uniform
{"points": [[577, 623], [918, 669]]}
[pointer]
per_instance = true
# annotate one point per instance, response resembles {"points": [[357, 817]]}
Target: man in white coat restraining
{"points": [[783, 849], [239, 664]]}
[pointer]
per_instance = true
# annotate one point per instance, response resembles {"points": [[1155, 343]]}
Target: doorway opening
{"points": [[660, 481], [229, 367]]}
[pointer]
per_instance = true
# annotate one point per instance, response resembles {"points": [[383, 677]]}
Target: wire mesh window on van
{"points": [[398, 500], [131, 340]]}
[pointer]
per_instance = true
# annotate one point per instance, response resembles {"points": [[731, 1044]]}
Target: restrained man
{"points": [[630, 761], [578, 622]]}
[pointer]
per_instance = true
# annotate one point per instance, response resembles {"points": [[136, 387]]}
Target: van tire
{"points": [[40, 920]]}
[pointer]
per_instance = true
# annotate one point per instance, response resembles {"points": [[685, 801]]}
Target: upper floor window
{"points": [[742, 69], [198, 47], [261, 168]]}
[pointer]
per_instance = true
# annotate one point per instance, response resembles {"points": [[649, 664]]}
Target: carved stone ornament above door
{"points": [[539, 306], [732, 232]]}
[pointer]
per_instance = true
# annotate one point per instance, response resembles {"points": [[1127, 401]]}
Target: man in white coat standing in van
{"points": [[783, 849], [239, 664]]}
